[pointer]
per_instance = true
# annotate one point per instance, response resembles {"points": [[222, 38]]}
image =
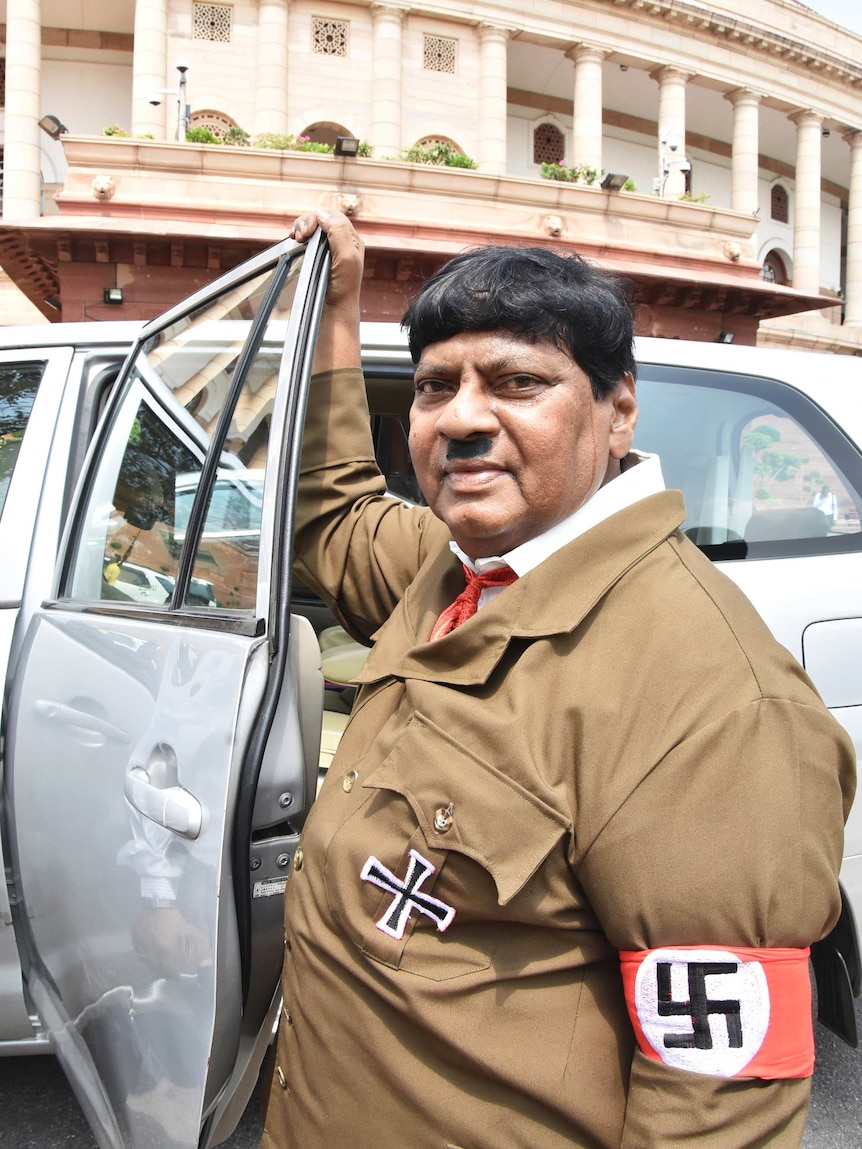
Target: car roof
{"points": [[109, 333], [833, 382]]}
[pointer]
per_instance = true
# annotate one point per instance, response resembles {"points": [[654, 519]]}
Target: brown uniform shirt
{"points": [[614, 754]]}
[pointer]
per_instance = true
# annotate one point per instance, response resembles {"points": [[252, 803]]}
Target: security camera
{"points": [[182, 66], [673, 145], [155, 99], [685, 166]]}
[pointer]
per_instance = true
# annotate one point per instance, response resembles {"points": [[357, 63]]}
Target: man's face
{"points": [[507, 439]]}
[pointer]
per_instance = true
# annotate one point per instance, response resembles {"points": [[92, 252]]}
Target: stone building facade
{"points": [[738, 127]]}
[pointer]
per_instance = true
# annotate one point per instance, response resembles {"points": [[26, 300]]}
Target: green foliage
{"points": [[273, 141], [201, 135], [441, 155], [365, 150], [114, 130], [306, 144], [629, 185], [583, 174], [701, 197], [236, 138], [771, 466], [145, 136]]}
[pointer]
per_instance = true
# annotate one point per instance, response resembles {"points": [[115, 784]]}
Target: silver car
{"points": [[160, 757]]}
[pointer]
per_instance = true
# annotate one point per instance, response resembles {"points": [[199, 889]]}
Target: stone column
{"points": [[22, 167], [746, 147], [271, 95], [806, 207], [671, 130], [387, 20], [149, 70], [493, 42], [587, 112], [853, 273]]}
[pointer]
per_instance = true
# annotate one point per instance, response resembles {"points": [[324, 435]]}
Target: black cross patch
{"points": [[407, 895], [698, 1007]]}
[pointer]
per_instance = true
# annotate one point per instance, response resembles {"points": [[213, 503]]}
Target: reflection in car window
{"points": [[140, 501], [19, 383], [228, 551], [764, 472]]}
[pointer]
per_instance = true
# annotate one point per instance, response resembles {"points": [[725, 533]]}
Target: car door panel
{"points": [[137, 731]]}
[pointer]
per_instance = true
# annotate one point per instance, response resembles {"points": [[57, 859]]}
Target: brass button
{"points": [[297, 859], [282, 1080], [443, 818], [286, 1014], [348, 780]]}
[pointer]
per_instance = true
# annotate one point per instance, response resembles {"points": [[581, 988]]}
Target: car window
{"points": [[227, 553], [764, 471], [19, 383], [180, 396]]}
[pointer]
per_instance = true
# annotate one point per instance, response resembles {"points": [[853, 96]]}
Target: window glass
{"points": [[138, 510], [226, 559], [19, 383], [763, 471]]}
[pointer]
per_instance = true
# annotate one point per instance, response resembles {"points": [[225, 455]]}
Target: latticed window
{"points": [[436, 141], [217, 122], [778, 209], [329, 37], [211, 22], [549, 144], [438, 54]]}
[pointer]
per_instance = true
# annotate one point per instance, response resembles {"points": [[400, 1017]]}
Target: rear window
{"points": [[764, 471]]}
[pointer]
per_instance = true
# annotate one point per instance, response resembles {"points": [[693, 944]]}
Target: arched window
{"points": [[778, 209], [438, 141], [774, 268], [325, 132], [217, 122], [549, 144]]}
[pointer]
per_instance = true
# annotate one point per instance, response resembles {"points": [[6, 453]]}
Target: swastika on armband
{"points": [[729, 1012]]}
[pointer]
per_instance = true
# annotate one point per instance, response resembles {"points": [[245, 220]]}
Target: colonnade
{"points": [[22, 179]]}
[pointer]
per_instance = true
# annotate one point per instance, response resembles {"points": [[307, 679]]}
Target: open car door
{"points": [[164, 722]]}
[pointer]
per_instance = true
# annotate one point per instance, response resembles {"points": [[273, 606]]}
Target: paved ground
{"points": [[38, 1110]]}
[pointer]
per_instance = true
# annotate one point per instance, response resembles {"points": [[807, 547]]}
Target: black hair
{"points": [[535, 293]]}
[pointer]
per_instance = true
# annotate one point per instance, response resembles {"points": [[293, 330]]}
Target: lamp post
{"points": [[183, 107]]}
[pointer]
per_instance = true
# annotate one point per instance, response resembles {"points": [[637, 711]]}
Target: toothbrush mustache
{"points": [[467, 448]]}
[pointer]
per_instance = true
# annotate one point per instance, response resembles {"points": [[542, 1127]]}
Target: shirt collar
{"points": [[640, 477]]}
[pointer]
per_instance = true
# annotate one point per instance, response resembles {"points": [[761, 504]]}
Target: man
{"points": [[560, 882]]}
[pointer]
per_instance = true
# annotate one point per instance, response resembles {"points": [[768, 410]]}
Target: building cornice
{"points": [[739, 31]]}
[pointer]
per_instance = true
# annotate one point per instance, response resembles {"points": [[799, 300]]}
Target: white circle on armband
{"points": [[702, 1010]]}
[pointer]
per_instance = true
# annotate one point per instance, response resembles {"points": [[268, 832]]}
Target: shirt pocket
{"points": [[485, 834]]}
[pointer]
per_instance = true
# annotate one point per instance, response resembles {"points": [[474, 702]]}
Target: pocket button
{"points": [[444, 816]]}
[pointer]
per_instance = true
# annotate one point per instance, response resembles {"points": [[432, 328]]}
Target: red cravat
{"points": [[467, 602]]}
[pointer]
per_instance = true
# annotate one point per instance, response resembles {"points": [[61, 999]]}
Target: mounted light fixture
{"points": [[346, 145], [614, 181], [52, 127], [725, 337], [112, 295]]}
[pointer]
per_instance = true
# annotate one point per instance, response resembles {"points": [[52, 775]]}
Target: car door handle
{"points": [[172, 807]]}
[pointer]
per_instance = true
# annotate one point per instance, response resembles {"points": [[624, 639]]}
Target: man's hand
{"points": [[338, 337]]}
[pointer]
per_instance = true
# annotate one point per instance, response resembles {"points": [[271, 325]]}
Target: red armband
{"points": [[726, 1010]]}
